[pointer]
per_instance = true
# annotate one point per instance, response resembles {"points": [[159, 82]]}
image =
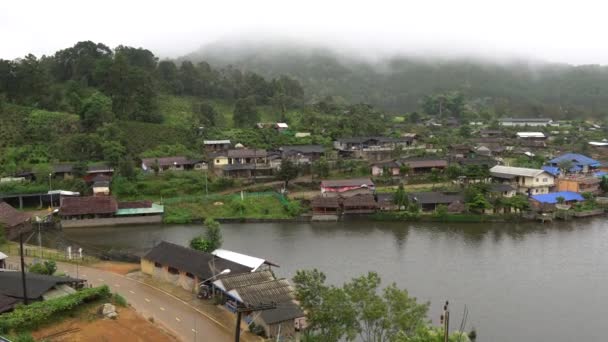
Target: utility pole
{"points": [[25, 301], [446, 322]]}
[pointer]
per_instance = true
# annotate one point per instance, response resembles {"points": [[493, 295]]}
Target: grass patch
{"points": [[258, 207], [119, 300]]}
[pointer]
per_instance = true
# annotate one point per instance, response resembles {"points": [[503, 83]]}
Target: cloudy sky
{"points": [[557, 31]]}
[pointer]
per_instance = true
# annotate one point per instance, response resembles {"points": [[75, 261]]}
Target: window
{"points": [[158, 265], [217, 161], [173, 270], [537, 179], [545, 180], [189, 275]]}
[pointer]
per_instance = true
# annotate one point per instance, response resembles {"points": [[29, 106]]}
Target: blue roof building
{"points": [[551, 198], [554, 170], [579, 162]]}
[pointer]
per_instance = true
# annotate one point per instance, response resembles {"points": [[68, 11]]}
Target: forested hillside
{"points": [[398, 84], [92, 103]]}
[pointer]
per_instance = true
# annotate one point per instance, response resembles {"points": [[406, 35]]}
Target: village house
{"points": [[243, 163], [429, 201], [302, 154], [549, 201], [576, 163], [579, 184], [422, 165], [101, 188], [347, 187], [503, 190], [39, 287], [94, 211], [372, 148], [490, 133], [14, 221], [325, 208], [281, 126], [527, 181], [534, 122], [256, 264], [178, 163], [386, 201], [66, 171], [211, 146], [359, 204], [240, 291], [186, 267], [392, 167]]}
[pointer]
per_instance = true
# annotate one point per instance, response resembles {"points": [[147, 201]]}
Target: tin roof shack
{"points": [[428, 201], [185, 267], [347, 187], [178, 163], [302, 154], [359, 204], [262, 288], [386, 201], [216, 145], [527, 181], [39, 287], [14, 221]]}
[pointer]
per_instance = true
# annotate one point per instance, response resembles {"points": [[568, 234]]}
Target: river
{"points": [[520, 282]]}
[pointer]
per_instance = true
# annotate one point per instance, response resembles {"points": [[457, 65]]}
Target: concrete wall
{"points": [[162, 273], [111, 221]]}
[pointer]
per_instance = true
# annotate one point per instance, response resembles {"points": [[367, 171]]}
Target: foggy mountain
{"points": [[513, 87]]}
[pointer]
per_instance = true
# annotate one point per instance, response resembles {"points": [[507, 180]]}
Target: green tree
{"points": [[360, 308], [206, 115], [479, 203], [288, 171], [453, 171], [96, 111], [245, 113], [212, 239], [320, 167], [400, 198]]}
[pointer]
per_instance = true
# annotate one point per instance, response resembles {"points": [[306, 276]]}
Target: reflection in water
{"points": [[520, 281]]}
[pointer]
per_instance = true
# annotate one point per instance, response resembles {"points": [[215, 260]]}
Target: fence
{"points": [[216, 197], [50, 254]]}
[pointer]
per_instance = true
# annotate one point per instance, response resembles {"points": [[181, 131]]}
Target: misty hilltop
{"points": [[398, 83]]}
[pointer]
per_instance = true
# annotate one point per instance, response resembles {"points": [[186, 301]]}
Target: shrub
{"points": [[32, 316], [48, 267], [119, 300]]}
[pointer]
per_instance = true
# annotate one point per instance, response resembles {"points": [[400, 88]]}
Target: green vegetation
{"points": [[361, 309], [212, 239], [30, 317], [48, 267], [119, 300], [230, 206]]}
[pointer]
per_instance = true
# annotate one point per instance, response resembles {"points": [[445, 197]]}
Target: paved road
{"points": [[179, 317]]}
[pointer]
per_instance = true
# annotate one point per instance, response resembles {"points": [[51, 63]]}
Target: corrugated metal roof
{"points": [[216, 142], [273, 291], [576, 159], [531, 134], [551, 198], [516, 171], [239, 258], [233, 281]]}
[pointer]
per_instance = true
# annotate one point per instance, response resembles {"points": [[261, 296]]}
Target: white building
{"points": [[527, 181], [535, 122]]}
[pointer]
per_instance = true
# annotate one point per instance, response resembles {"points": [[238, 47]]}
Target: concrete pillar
{"points": [[20, 202]]}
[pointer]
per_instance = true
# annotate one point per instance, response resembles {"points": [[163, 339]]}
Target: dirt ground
{"points": [[116, 267], [128, 327]]}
